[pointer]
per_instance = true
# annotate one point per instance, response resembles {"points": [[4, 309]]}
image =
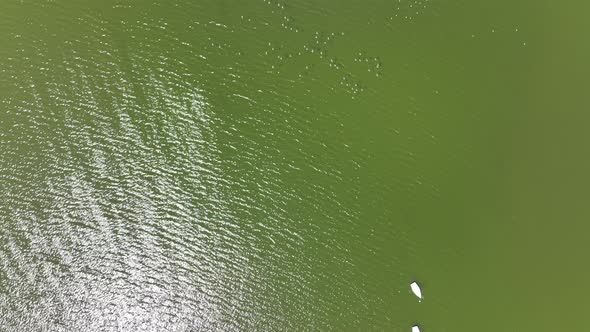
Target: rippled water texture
{"points": [[293, 165]]}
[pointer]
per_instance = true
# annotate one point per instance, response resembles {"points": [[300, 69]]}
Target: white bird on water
{"points": [[416, 289], [415, 328]]}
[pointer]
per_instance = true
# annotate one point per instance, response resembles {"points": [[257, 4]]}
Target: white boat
{"points": [[416, 289]]}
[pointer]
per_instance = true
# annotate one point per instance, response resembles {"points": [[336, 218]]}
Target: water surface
{"points": [[293, 165]]}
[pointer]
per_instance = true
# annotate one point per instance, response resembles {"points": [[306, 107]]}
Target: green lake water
{"points": [[294, 165]]}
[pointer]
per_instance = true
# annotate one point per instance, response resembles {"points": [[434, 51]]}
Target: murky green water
{"points": [[293, 165]]}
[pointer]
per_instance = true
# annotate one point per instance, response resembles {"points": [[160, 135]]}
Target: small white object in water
{"points": [[416, 289], [415, 328]]}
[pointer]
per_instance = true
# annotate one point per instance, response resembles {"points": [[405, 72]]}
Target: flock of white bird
{"points": [[418, 292]]}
